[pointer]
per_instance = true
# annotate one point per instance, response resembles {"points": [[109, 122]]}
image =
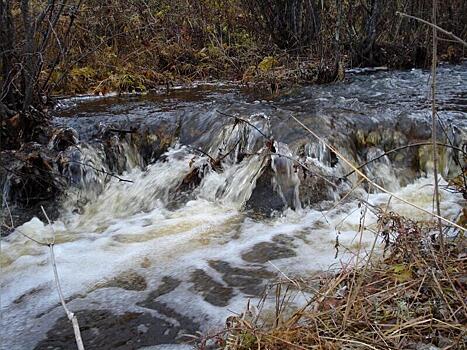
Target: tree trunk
{"points": [[367, 46], [29, 56], [7, 48]]}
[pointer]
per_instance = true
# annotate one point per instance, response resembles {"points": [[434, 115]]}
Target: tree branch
{"points": [[359, 172], [444, 31], [401, 148]]}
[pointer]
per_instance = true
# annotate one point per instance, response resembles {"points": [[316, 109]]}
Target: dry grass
{"points": [[410, 297]]}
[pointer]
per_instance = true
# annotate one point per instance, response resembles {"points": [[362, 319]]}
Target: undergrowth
{"points": [[134, 46], [412, 297]]}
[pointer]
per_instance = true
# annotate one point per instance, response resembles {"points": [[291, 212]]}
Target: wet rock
{"points": [[184, 191], [373, 138], [28, 294], [102, 330], [168, 285], [265, 251], [213, 292], [391, 139], [183, 325], [414, 129], [153, 145], [116, 158], [264, 199], [129, 280], [312, 188], [150, 138], [62, 138], [249, 281], [58, 304], [284, 240]]}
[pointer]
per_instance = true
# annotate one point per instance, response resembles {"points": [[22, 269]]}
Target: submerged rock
{"points": [[168, 285], [104, 330], [212, 291], [265, 251], [129, 280], [250, 281]]}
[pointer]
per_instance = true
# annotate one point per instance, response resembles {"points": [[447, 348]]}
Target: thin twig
{"points": [[444, 31], [358, 171], [101, 171], [244, 121], [401, 148], [71, 316]]}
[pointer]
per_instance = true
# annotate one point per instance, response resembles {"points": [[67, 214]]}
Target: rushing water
{"points": [[148, 259]]}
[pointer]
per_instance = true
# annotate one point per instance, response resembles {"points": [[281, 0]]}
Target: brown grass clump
{"points": [[412, 297]]}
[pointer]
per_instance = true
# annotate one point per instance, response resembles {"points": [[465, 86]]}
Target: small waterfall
{"points": [[241, 148], [90, 167], [234, 186], [142, 190], [227, 173], [285, 180], [237, 139], [381, 171], [320, 152]]}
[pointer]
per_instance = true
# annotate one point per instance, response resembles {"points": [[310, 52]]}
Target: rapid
{"points": [[212, 208]]}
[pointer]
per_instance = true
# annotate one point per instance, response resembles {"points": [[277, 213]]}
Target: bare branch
{"points": [[359, 172], [434, 121], [71, 316], [244, 121], [444, 31], [401, 148]]}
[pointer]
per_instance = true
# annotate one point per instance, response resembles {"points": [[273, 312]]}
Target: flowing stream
{"points": [[213, 208]]}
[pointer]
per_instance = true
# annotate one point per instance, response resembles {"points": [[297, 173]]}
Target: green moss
{"points": [[373, 138]]}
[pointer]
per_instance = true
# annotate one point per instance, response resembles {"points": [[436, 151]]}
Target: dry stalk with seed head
{"points": [[400, 301]]}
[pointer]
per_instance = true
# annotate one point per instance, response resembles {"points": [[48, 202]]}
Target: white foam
{"points": [[128, 224]]}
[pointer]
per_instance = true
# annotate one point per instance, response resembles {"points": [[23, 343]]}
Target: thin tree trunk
{"points": [[338, 29], [6, 47], [370, 29], [29, 56]]}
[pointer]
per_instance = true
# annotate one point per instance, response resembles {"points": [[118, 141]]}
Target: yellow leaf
{"points": [[402, 273], [267, 63]]}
